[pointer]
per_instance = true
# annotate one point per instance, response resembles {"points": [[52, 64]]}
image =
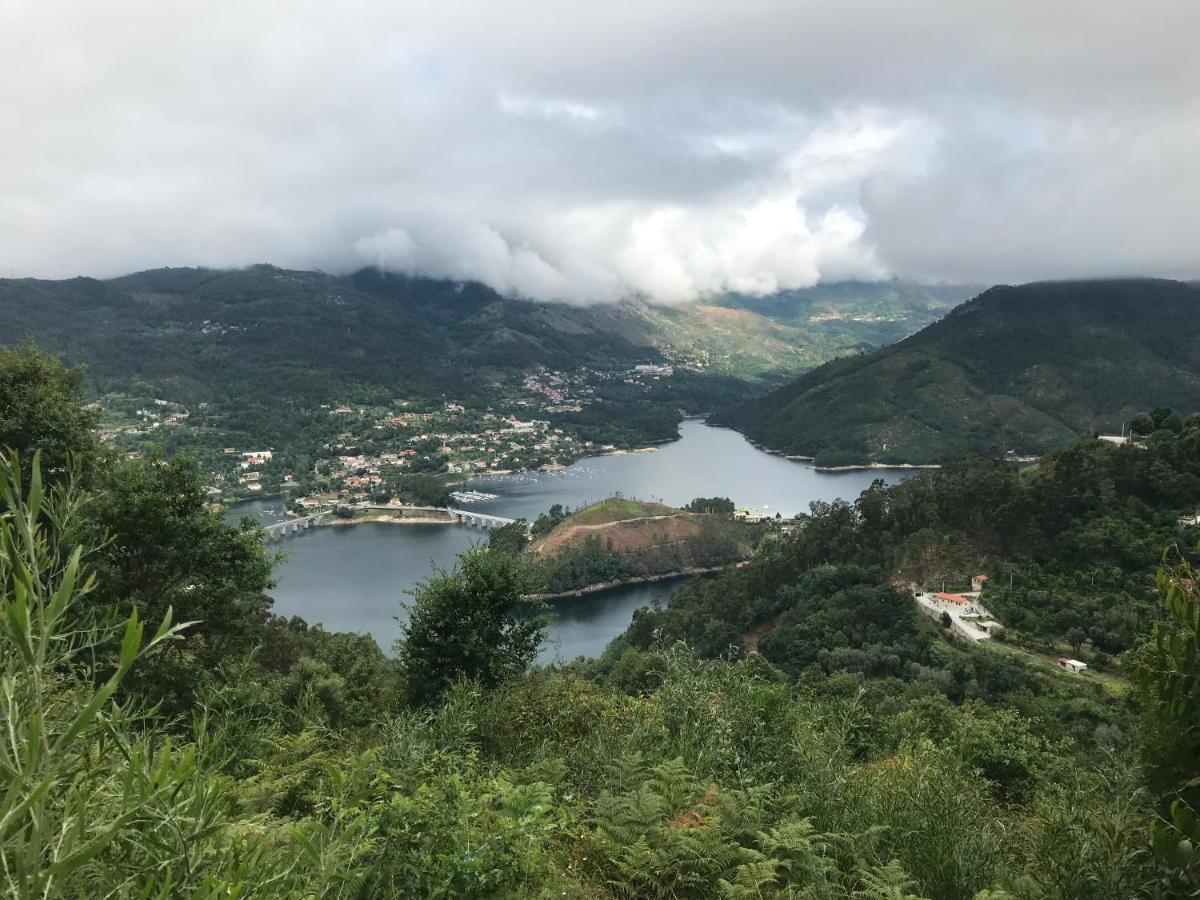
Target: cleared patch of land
{"points": [[619, 540], [625, 535]]}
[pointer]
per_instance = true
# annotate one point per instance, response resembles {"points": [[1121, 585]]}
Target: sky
{"points": [[585, 151]]}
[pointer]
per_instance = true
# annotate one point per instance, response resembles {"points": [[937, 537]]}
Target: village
{"points": [[359, 452]]}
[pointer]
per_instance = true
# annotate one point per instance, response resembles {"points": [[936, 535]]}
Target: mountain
{"points": [[1017, 368], [264, 344], [796, 330]]}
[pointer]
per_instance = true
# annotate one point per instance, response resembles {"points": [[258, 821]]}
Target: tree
{"points": [[718, 505], [1075, 637], [547, 520], [1142, 424], [463, 624], [1166, 672], [166, 549], [510, 539], [41, 408]]}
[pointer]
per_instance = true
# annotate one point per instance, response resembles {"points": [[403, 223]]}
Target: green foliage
{"points": [[616, 509], [41, 411], [464, 623], [354, 693], [874, 759], [510, 539], [89, 807], [1018, 368], [722, 506], [1167, 674], [547, 520], [1067, 541], [166, 549], [421, 490]]}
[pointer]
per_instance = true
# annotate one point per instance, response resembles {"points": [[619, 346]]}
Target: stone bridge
{"points": [[479, 520], [460, 516], [291, 526]]}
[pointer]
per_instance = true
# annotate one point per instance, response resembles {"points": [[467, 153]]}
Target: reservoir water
{"points": [[356, 578]]}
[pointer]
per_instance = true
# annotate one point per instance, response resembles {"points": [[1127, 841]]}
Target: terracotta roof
{"points": [[953, 598]]}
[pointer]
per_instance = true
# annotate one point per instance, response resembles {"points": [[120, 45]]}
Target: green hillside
{"points": [[797, 330], [615, 509], [1017, 368], [262, 347]]}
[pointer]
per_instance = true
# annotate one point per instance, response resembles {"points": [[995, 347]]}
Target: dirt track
{"points": [[625, 534]]}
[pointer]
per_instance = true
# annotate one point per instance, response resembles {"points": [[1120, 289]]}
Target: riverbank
{"points": [[628, 582], [853, 467]]}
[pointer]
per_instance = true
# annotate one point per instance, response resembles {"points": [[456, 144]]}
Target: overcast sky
{"points": [[586, 151]]}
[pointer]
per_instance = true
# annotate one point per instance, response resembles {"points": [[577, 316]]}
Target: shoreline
{"points": [[642, 579], [798, 457]]}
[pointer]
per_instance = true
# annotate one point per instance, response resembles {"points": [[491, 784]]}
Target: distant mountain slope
{"points": [[266, 341], [799, 329], [1017, 368], [200, 334]]}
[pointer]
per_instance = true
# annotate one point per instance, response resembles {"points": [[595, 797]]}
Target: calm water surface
{"points": [[356, 578]]}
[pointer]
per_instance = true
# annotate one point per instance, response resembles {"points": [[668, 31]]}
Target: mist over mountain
{"points": [[670, 151]]}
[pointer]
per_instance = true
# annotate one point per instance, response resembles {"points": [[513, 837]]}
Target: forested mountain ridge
{"points": [[262, 344], [1017, 368]]}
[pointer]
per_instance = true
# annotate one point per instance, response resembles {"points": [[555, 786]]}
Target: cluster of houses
{"points": [[249, 479]]}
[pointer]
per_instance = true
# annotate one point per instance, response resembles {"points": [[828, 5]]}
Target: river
{"points": [[356, 578]]}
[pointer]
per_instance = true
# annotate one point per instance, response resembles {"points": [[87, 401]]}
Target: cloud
{"points": [[586, 152]]}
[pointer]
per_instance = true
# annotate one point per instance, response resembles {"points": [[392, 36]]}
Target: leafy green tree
{"points": [[1167, 674], [1142, 423], [511, 538], [464, 624], [41, 408], [1075, 637], [547, 520], [718, 505], [165, 549]]}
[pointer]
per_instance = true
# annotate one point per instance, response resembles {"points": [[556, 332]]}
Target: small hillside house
{"points": [[956, 599]]}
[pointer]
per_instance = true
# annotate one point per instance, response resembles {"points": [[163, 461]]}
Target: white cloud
{"points": [[586, 151]]}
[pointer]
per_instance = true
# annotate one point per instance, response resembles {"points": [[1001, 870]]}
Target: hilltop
{"points": [[624, 525], [1019, 369], [619, 540]]}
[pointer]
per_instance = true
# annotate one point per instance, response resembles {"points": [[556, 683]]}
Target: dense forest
{"points": [[167, 736], [1021, 369]]}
